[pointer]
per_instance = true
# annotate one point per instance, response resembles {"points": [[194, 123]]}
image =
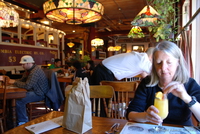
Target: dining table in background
{"points": [[14, 93], [99, 124], [67, 79]]}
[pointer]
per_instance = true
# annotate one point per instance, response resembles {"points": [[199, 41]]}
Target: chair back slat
{"points": [[99, 108], [94, 106]]}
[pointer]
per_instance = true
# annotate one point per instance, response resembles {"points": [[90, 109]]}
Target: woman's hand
{"points": [[152, 116], [178, 90]]}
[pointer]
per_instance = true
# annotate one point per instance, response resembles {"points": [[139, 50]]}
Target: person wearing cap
{"points": [[35, 82]]}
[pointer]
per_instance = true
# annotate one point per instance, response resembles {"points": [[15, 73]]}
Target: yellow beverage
{"points": [[162, 106]]}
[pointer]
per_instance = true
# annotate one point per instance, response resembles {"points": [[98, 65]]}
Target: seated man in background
{"points": [[125, 65], [35, 82], [57, 66]]}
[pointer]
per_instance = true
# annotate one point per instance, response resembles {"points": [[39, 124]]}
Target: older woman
{"points": [[169, 75]]}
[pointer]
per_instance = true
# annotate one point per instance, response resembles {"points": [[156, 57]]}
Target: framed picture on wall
{"points": [[123, 48], [138, 48]]}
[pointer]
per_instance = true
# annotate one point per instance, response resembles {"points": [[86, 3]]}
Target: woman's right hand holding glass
{"points": [[152, 115]]}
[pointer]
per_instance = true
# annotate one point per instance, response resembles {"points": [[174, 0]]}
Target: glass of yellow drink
{"points": [[161, 103], [162, 106]]}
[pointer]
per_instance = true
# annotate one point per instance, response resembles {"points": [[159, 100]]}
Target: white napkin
{"points": [[45, 126]]}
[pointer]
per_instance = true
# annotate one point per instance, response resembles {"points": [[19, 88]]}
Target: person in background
{"points": [[125, 65], [170, 76], [89, 69], [57, 66], [90, 66], [35, 82], [79, 71]]}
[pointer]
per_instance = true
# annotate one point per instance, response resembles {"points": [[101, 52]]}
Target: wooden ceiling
{"points": [[117, 17]]}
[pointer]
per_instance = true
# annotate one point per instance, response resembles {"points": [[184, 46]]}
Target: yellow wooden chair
{"points": [[98, 92]]}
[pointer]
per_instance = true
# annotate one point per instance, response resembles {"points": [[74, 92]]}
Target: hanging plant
{"points": [[167, 25]]}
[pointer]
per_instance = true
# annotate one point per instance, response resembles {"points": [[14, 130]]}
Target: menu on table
{"points": [[140, 128], [45, 126]]}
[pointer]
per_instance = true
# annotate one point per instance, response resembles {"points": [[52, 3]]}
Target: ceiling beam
{"points": [[26, 4]]}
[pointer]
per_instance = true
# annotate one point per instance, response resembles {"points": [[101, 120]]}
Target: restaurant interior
{"points": [[93, 30]]}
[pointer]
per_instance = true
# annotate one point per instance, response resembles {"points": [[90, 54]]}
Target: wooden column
{"points": [[90, 37]]}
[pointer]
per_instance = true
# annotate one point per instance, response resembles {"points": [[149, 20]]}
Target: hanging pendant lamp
{"points": [[97, 42], [148, 16], [73, 11], [70, 44], [8, 16], [136, 32]]}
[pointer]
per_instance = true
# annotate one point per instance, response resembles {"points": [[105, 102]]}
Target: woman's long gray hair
{"points": [[181, 75]]}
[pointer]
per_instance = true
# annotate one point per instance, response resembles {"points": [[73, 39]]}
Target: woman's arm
{"points": [[148, 116], [195, 110], [185, 94], [138, 117]]}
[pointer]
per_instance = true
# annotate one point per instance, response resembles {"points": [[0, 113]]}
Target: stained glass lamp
{"points": [[146, 17], [73, 11], [136, 32], [8, 16]]}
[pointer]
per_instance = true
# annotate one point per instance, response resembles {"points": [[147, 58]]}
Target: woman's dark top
{"points": [[179, 113]]}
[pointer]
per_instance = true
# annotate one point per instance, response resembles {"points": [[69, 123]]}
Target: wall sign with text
{"points": [[11, 55]]}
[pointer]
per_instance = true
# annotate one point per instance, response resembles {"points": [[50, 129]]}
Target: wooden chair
{"points": [[3, 72], [98, 92], [36, 109], [124, 92], [3, 88]]}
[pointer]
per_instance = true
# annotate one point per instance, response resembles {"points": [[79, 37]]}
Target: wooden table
{"points": [[100, 125], [14, 93], [68, 79]]}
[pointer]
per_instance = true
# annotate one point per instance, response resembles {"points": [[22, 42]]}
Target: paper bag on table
{"points": [[77, 113]]}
